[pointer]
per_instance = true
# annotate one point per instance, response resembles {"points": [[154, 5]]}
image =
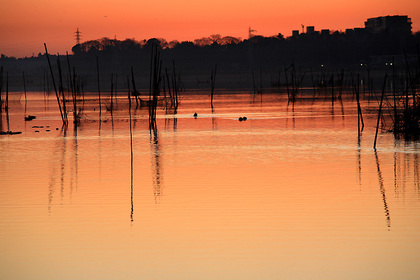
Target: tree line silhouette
{"points": [[236, 58]]}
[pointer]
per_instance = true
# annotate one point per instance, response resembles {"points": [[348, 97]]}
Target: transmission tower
{"points": [[250, 32], [78, 36]]}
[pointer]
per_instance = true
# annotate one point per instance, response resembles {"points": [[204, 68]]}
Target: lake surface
{"points": [[290, 193]]}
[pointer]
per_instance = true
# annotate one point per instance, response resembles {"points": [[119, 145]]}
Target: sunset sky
{"points": [[26, 24]]}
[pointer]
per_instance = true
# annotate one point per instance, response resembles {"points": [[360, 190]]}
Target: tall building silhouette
{"points": [[389, 24]]}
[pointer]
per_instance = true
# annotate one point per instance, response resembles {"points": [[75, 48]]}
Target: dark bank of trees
{"points": [[306, 50], [235, 58]]}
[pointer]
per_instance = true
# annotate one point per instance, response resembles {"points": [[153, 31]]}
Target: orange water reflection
{"points": [[284, 195]]}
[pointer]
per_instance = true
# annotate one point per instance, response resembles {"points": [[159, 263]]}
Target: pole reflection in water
{"points": [[213, 119], [63, 163], [156, 164], [1, 115], [61, 147], [75, 168], [131, 159], [382, 189], [416, 171], [359, 160], [342, 109], [396, 166]]}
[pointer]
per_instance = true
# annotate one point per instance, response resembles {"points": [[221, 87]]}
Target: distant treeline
{"points": [[236, 58]]}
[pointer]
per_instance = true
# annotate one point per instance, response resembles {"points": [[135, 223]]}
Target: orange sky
{"points": [[26, 24]]}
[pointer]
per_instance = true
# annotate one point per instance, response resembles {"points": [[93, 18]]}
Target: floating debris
{"points": [[195, 115], [10, 132], [242, 119]]}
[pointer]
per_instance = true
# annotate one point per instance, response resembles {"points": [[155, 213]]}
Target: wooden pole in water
{"points": [[116, 90], [213, 81], [7, 101], [73, 89], [44, 84], [72, 86], [24, 89], [55, 87], [131, 153], [7, 92], [1, 88], [151, 75], [359, 108], [136, 93], [394, 93], [175, 86], [332, 89], [379, 113], [287, 84], [112, 92], [99, 88], [61, 90]]}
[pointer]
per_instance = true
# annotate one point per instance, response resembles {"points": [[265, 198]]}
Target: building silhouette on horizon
{"points": [[391, 25]]}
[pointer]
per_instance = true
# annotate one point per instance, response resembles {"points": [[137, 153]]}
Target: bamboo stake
{"points": [[24, 89], [99, 88], [55, 87], [7, 92], [379, 113], [134, 88], [7, 101], [213, 81], [1, 88], [61, 90], [131, 154], [112, 92]]}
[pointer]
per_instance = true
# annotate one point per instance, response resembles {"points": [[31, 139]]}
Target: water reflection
{"points": [[293, 114], [359, 160], [60, 166], [406, 168], [382, 189], [169, 120], [213, 120], [342, 109], [156, 165], [62, 163], [228, 217], [75, 167], [416, 173], [131, 160], [60, 154], [1, 116]]}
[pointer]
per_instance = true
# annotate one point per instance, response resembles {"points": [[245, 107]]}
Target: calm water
{"points": [[288, 194]]}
